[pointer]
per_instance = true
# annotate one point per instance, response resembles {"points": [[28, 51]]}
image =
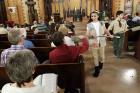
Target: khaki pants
{"points": [[99, 55]]}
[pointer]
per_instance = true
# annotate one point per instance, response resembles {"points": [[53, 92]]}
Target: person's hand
{"points": [[111, 36]]}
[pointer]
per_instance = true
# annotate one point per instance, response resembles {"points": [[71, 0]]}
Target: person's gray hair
{"points": [[20, 66], [14, 36]]}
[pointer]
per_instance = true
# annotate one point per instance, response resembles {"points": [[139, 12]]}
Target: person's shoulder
{"points": [[5, 51], [53, 52], [6, 85], [102, 22], [28, 41], [5, 88]]}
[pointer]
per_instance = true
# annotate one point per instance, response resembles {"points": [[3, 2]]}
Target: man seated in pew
{"points": [[136, 18], [20, 68], [67, 40], [63, 53], [16, 38], [41, 26], [2, 29]]}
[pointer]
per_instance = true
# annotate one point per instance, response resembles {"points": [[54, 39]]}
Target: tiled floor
{"points": [[117, 76]]}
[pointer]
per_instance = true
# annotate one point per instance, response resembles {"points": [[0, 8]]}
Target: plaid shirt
{"points": [[5, 53]]}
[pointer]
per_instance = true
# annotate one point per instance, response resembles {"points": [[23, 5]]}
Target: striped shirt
{"points": [[5, 53]]}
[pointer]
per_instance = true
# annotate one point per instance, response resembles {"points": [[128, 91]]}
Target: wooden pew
{"points": [[131, 38], [42, 53], [36, 42], [3, 77], [137, 51], [0, 52], [3, 37], [31, 32], [36, 36], [4, 44], [70, 75], [41, 42]]}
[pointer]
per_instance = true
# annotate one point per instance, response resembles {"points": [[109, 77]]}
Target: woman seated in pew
{"points": [[27, 43], [63, 53], [67, 40], [20, 69]]}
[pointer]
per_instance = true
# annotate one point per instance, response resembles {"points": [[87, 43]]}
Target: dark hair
{"points": [[119, 12], [90, 19], [137, 13], [20, 66], [57, 38]]}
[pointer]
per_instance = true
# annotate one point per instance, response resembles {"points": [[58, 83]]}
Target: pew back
{"points": [[42, 53], [3, 77], [41, 42], [3, 37], [4, 44], [70, 75]]}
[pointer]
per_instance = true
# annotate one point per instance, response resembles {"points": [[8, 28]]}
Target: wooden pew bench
{"points": [[70, 75], [36, 42], [4, 44], [3, 37], [42, 53], [36, 36], [41, 42], [31, 32], [132, 41], [137, 51]]}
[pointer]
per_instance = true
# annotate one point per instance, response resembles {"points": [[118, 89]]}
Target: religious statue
{"points": [[31, 10]]}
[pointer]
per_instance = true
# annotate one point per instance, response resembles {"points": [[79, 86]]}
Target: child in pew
{"points": [[20, 69], [27, 43]]}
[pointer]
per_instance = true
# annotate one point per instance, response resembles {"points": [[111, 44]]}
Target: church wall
{"points": [[135, 5], [117, 5], [16, 16], [21, 14], [120, 4], [91, 5]]}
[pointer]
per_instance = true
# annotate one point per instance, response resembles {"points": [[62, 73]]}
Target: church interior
{"points": [[42, 18]]}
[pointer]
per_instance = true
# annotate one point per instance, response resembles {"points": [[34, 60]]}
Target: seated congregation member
{"points": [[63, 53], [67, 40], [42, 27], [16, 38], [20, 68], [70, 26], [27, 43]]}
